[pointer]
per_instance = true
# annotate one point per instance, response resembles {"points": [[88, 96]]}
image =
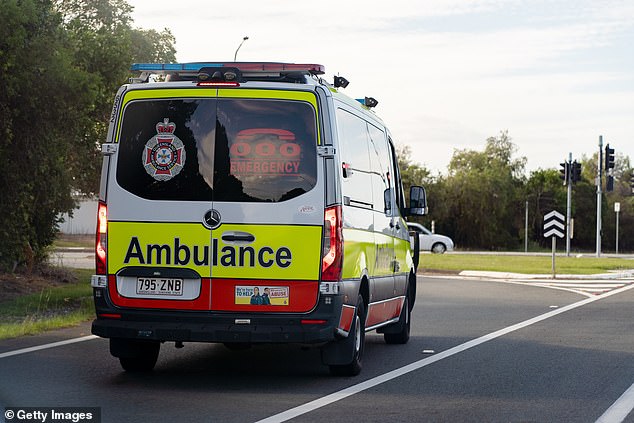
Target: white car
{"points": [[429, 241]]}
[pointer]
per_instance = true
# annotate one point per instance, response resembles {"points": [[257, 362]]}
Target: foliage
{"points": [[43, 98], [482, 201], [60, 65], [482, 195], [105, 45]]}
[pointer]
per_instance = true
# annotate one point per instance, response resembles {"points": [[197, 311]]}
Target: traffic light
{"points": [[609, 184], [632, 182], [609, 157], [565, 172], [576, 172]]}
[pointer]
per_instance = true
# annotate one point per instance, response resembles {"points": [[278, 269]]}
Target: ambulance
{"points": [[247, 203]]}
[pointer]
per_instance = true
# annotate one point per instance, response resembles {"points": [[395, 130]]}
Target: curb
{"points": [[509, 275]]}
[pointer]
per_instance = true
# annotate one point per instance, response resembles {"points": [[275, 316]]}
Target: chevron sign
{"points": [[554, 225]]}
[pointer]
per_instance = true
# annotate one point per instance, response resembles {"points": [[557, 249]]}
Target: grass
{"points": [[52, 308], [74, 241], [456, 262]]}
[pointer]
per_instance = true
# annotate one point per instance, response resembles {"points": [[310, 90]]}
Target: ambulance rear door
{"points": [[268, 202]]}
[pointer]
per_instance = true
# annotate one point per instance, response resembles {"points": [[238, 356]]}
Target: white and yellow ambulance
{"points": [[247, 203]]}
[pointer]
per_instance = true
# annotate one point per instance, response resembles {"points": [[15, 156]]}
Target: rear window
{"points": [[217, 149]]}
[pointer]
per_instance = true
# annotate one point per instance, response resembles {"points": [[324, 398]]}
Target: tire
{"points": [[358, 344], [142, 356], [404, 322], [438, 248]]}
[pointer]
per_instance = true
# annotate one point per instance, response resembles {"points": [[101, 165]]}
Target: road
{"points": [[481, 351]]}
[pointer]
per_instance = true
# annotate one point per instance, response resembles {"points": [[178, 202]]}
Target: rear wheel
{"points": [[358, 341], [135, 356]]}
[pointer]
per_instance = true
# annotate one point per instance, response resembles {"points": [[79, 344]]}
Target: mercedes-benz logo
{"points": [[211, 219]]}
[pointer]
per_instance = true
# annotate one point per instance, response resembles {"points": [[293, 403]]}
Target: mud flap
{"points": [[338, 352], [127, 348]]}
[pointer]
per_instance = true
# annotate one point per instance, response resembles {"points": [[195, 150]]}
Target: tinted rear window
{"points": [[217, 149]]}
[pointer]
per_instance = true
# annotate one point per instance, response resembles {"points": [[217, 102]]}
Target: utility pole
{"points": [[599, 178], [617, 209], [526, 229]]}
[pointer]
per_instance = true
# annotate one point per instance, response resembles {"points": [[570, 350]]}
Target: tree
{"points": [[411, 173], [483, 195], [151, 46], [61, 63], [43, 99], [105, 45], [414, 174], [544, 192]]}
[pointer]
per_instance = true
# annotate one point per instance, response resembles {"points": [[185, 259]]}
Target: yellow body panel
{"points": [[284, 252]]}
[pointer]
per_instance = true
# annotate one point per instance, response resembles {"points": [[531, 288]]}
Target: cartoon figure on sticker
{"points": [[164, 154]]}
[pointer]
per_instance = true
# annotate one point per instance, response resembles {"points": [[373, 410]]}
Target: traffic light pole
{"points": [[599, 175], [569, 204]]}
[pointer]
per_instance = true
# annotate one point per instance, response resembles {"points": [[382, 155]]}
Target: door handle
{"points": [[241, 237]]}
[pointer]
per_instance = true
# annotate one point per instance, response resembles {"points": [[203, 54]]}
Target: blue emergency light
{"points": [[157, 67]]}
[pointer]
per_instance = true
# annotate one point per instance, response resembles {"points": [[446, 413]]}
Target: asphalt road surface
{"points": [[480, 351]]}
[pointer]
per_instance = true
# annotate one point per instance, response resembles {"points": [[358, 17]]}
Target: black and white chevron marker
{"points": [[554, 224]]}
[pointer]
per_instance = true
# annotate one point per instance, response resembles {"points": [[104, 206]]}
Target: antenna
{"points": [[235, 56]]}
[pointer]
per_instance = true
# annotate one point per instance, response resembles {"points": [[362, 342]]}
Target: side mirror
{"points": [[387, 201], [417, 201]]}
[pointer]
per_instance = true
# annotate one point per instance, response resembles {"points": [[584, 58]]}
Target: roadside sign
{"points": [[617, 207], [554, 227], [554, 224]]}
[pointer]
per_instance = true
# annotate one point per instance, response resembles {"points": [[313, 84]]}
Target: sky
{"points": [[448, 74]]}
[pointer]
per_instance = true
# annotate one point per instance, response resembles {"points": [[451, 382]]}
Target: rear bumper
{"points": [[318, 326], [257, 331]]}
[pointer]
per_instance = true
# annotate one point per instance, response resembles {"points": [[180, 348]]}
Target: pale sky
{"points": [[448, 74]]}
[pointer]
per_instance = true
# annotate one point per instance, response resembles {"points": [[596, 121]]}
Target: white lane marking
{"points": [[585, 285], [46, 346], [386, 377], [620, 409]]}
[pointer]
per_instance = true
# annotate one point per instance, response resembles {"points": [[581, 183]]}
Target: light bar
{"points": [[243, 66]]}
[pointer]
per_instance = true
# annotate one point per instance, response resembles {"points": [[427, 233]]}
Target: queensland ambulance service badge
{"points": [[164, 153]]}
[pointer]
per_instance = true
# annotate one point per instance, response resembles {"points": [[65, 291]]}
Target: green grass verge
{"points": [[52, 308], [456, 262], [74, 241]]}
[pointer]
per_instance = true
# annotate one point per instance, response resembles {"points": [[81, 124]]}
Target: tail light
{"points": [[102, 239], [332, 255]]}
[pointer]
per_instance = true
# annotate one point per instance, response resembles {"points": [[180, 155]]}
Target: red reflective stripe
{"points": [[110, 315], [384, 311], [347, 315], [313, 321]]}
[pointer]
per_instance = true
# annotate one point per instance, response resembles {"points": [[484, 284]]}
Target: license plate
{"points": [[159, 286]]}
